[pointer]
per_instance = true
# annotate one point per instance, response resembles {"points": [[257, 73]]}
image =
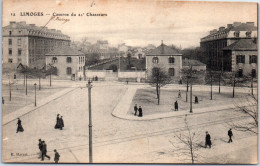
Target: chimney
{"points": [[235, 24], [229, 25], [162, 42], [250, 23], [12, 22], [221, 28], [22, 22]]}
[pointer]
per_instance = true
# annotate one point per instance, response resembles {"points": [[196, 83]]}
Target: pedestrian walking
{"points": [[179, 94], [196, 100], [19, 126], [208, 141], [44, 151], [230, 134], [56, 156], [176, 105], [40, 148], [135, 109], [57, 122], [140, 110], [61, 123]]}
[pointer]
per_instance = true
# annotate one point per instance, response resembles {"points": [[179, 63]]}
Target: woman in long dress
{"points": [[19, 126], [57, 122]]}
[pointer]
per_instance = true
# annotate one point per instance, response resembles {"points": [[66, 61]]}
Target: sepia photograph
{"points": [[139, 82]]}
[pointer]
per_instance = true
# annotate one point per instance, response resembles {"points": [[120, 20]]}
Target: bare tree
{"points": [[248, 107], [189, 142], [158, 78]]}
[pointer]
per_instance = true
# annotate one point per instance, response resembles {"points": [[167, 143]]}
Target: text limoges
{"points": [[31, 13]]}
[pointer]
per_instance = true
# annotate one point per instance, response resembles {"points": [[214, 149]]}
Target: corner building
{"points": [[27, 44]]}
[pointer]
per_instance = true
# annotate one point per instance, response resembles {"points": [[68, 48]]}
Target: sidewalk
{"points": [[121, 110], [29, 108]]}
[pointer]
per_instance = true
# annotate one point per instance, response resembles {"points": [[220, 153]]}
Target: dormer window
{"points": [[236, 34], [248, 34]]}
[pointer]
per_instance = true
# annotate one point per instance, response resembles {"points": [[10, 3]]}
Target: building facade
{"points": [[213, 44], [68, 62], [243, 57], [166, 58], [28, 44]]}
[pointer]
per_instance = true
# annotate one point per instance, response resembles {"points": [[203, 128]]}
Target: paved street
{"points": [[119, 140]]}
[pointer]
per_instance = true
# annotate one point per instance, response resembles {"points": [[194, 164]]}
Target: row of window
{"points": [[19, 41], [248, 34], [240, 73], [10, 60], [171, 71], [156, 60], [241, 59], [55, 60], [10, 51]]}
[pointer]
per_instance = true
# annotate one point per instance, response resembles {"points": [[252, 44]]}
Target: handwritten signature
{"points": [[19, 154]]}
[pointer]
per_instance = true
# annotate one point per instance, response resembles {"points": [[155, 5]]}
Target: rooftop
{"points": [[163, 50], [187, 62], [66, 51], [242, 45]]}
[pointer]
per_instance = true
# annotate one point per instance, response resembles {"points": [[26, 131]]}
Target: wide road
{"points": [[118, 140]]}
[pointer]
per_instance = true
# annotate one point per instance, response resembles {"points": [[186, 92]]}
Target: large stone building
{"points": [[167, 58], [28, 44], [68, 62], [213, 44]]}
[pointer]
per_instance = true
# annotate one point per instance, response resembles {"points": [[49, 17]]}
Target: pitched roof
{"points": [[187, 62], [242, 44], [66, 51], [163, 50], [244, 27]]}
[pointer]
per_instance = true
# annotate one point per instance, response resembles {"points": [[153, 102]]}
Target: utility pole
{"points": [[210, 85], [10, 97], [90, 121], [50, 79], [252, 86], [35, 94]]}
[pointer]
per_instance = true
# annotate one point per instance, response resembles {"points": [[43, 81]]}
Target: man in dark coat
{"points": [[40, 147], [57, 122], [44, 151], [196, 100], [208, 141], [56, 156], [230, 134], [140, 110], [61, 123], [135, 108], [19, 126], [176, 105]]}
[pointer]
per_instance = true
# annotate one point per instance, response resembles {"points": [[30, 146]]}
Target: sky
{"points": [[134, 22]]}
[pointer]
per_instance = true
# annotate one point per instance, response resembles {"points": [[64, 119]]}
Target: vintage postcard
{"points": [[109, 81]]}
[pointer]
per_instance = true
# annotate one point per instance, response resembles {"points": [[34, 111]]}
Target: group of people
{"points": [[43, 152], [208, 139], [176, 105], [140, 110], [59, 122]]}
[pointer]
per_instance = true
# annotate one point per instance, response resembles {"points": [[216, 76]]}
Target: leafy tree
{"points": [[92, 59], [158, 78]]}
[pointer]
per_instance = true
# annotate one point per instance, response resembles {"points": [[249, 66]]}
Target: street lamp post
{"points": [[25, 84], [90, 121], [35, 94]]}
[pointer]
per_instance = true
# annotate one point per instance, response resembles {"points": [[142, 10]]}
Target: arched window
{"points": [[236, 34], [68, 70], [171, 59], [253, 73], [171, 71], [54, 59], [155, 60]]}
